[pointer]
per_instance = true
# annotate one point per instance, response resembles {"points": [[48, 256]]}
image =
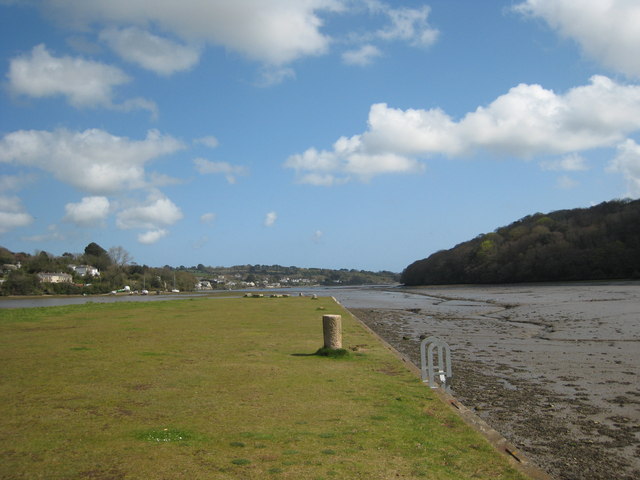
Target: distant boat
{"points": [[175, 290]]}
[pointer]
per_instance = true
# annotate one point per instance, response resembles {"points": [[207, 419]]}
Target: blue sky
{"points": [[319, 133]]}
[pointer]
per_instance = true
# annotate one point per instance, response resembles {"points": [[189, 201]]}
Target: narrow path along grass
{"points": [[218, 389]]}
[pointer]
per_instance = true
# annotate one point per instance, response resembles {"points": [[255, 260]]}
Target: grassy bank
{"points": [[215, 389]]}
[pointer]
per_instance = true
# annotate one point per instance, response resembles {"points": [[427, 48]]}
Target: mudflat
{"points": [[554, 368]]}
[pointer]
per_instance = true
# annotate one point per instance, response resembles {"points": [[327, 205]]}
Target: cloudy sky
{"points": [[319, 133]]}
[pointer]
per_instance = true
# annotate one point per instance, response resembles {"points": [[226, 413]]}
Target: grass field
{"points": [[217, 389]]}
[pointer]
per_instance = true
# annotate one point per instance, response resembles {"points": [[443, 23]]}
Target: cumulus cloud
{"points": [[410, 25], [158, 212], [85, 83], [274, 32], [627, 162], [149, 51], [93, 161], [569, 163], [152, 236], [91, 211], [606, 30], [270, 219], [207, 218], [12, 214], [231, 172], [529, 120], [365, 55], [273, 75], [350, 158]]}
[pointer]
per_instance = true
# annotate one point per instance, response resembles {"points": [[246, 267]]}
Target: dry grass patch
{"points": [[217, 389]]}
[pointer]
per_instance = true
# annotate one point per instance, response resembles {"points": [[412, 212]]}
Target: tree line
{"points": [[276, 273], [597, 243]]}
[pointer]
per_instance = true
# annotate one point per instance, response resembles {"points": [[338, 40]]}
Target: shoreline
{"points": [[553, 368]]}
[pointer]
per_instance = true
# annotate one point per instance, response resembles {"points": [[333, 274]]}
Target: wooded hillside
{"points": [[601, 242]]}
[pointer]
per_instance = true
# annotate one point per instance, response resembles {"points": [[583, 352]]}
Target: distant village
{"points": [[100, 271]]}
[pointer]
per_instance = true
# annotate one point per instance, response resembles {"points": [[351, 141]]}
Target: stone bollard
{"points": [[332, 330]]}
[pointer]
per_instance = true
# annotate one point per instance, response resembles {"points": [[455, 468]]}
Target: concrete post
{"points": [[332, 330]]}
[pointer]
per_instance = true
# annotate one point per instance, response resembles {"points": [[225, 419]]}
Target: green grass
{"points": [[218, 389]]}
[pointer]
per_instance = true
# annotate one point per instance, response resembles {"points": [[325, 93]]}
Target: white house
{"points": [[85, 270], [203, 285]]}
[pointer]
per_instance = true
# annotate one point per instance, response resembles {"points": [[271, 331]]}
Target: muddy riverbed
{"points": [[554, 368]]}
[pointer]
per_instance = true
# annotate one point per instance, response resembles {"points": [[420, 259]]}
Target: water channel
{"points": [[350, 297]]}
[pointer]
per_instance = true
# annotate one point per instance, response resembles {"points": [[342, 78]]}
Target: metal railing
{"points": [[435, 356]]}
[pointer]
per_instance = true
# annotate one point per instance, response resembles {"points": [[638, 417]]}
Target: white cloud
{"points": [[274, 32], [569, 163], [606, 30], [91, 211], [274, 75], [152, 236], [208, 141], [627, 162], [527, 121], [85, 83], [362, 56], [317, 236], [12, 214], [410, 25], [349, 158], [93, 161], [207, 218], [158, 212], [138, 103], [270, 219], [156, 180], [154, 53], [230, 172]]}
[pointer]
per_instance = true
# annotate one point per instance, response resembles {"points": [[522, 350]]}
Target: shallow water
{"points": [[350, 297], [72, 300]]}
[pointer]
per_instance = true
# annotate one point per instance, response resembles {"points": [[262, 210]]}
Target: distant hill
{"points": [[597, 243], [291, 276]]}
